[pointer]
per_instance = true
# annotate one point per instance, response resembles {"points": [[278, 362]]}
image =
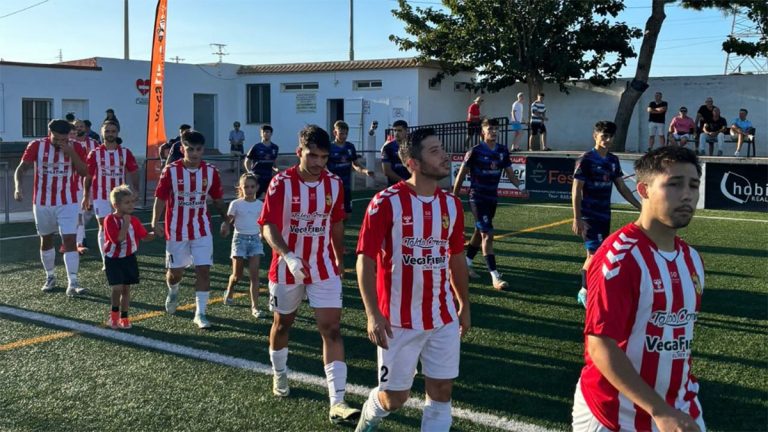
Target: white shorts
{"points": [[180, 254], [678, 136], [585, 421], [286, 298], [48, 218], [436, 349], [102, 208], [656, 129]]}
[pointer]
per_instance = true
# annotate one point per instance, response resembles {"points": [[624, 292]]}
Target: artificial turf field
{"points": [[519, 362]]}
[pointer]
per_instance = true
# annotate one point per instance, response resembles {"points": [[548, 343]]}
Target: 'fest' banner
{"points": [[155, 119]]}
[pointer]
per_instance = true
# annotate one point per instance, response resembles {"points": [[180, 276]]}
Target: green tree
{"points": [[510, 41], [757, 12]]}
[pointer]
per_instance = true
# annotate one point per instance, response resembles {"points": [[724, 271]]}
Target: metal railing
{"points": [[455, 135]]}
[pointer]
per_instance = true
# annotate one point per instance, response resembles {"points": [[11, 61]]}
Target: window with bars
{"points": [[366, 85], [301, 86], [35, 115], [258, 103]]}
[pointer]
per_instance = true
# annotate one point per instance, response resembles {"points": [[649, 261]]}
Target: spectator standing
{"points": [[473, 120], [236, 141], [517, 121], [538, 117], [657, 110]]}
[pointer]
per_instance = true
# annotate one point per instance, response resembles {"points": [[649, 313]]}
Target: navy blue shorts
{"points": [[596, 232], [483, 211], [263, 185], [538, 128], [347, 199]]}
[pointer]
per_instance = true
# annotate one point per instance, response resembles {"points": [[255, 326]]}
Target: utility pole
{"points": [[220, 50], [744, 29], [177, 59], [61, 58], [351, 31], [126, 55]]}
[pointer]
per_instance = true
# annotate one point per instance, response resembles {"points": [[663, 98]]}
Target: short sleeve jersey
{"points": [[263, 157], [340, 161], [648, 302], [411, 239], [705, 113], [681, 125], [716, 125], [655, 117], [389, 155], [485, 166], [186, 192], [304, 213], [56, 182], [538, 112], [517, 112], [598, 174], [107, 169], [742, 124], [114, 248], [473, 112]]}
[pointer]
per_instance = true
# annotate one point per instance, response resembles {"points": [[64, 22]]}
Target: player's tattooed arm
{"points": [[18, 176]]}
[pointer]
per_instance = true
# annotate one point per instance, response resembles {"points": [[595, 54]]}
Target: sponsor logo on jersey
{"points": [[679, 347], [696, 283], [407, 220], [308, 216], [315, 231], [426, 262], [680, 318], [658, 285], [430, 242]]}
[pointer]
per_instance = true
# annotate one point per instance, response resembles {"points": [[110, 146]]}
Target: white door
{"points": [[78, 107], [353, 116]]}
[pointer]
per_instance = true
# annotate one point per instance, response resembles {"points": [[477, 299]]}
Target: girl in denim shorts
{"points": [[247, 248]]}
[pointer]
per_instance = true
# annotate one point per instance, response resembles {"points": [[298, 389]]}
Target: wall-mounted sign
{"points": [[306, 102], [142, 85]]}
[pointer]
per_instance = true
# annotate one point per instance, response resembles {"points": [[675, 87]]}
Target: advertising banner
{"points": [[550, 179], [155, 118], [736, 187], [506, 189]]}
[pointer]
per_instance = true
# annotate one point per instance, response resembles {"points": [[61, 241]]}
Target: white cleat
{"points": [[367, 424], [500, 284], [201, 321], [50, 284], [341, 413], [280, 386], [75, 289]]}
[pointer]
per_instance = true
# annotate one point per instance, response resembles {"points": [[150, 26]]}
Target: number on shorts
{"points": [[273, 301], [384, 373]]}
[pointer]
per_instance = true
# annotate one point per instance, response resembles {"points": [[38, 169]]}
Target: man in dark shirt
{"points": [[171, 151], [657, 110], [342, 159], [713, 130], [390, 161], [261, 159], [704, 115]]}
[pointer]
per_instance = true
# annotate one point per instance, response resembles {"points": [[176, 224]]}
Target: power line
{"points": [[26, 8]]}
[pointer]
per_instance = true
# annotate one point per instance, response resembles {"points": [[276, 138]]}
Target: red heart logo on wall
{"points": [[142, 86]]}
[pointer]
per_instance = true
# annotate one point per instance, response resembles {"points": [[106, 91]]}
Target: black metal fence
{"points": [[455, 135]]}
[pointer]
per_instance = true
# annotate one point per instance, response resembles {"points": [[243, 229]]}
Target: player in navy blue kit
{"points": [[596, 172], [485, 162], [343, 159], [261, 159], [390, 161]]}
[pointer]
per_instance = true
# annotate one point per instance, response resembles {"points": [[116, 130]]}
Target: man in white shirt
{"points": [[517, 121]]}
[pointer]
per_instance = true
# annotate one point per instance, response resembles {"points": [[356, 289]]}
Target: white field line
{"points": [[501, 203], [240, 363]]}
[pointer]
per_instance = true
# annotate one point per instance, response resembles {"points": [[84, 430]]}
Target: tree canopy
{"points": [[756, 11]]}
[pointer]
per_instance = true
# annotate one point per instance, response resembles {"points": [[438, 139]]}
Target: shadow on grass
{"points": [[729, 407], [736, 303]]}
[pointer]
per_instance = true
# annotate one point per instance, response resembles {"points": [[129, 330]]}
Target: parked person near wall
{"points": [[538, 129], [657, 110], [517, 121], [473, 120], [236, 141], [714, 130], [741, 130], [703, 116], [262, 159], [682, 127]]}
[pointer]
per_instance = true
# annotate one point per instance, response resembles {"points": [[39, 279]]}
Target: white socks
{"points": [[496, 275], [48, 257], [201, 301], [278, 358], [336, 375], [72, 264], [437, 416], [373, 406], [102, 238]]}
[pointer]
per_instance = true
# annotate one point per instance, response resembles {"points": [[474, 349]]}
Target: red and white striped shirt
{"points": [[411, 239], [186, 192], [107, 168], [647, 301], [114, 248], [304, 214], [55, 177], [88, 145]]}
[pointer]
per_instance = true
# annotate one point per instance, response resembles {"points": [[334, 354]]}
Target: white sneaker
{"points": [[737, 154], [50, 284], [71, 291], [367, 424], [171, 301], [280, 386], [256, 313], [75, 289], [342, 413], [201, 321], [500, 284], [227, 301], [581, 297]]}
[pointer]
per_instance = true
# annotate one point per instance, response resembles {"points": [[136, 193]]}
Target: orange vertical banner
{"points": [[155, 118]]}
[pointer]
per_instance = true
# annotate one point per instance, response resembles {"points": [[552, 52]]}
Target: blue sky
{"points": [[292, 31]]}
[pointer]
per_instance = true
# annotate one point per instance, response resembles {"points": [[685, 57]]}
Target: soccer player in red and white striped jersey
{"points": [[645, 287], [303, 222], [57, 162], [182, 194], [109, 166], [412, 271]]}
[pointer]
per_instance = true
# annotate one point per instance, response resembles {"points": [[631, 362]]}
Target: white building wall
{"points": [[444, 104]]}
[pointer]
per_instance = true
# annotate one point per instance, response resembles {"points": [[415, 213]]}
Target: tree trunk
{"points": [[636, 87]]}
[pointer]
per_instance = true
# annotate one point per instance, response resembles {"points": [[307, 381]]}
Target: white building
{"points": [[288, 96]]}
